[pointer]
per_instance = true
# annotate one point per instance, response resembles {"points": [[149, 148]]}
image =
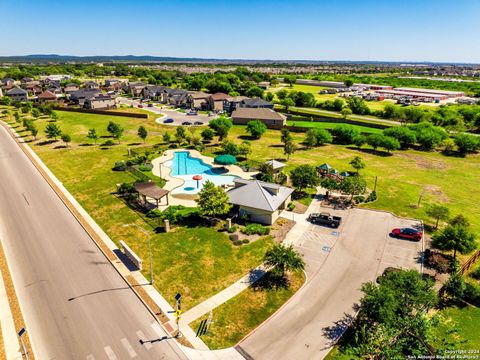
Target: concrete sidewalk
{"points": [[9, 333]]}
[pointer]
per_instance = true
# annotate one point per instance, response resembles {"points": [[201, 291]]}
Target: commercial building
{"points": [[447, 93], [267, 116]]}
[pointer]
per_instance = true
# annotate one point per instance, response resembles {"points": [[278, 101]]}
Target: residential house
{"points": [[261, 201], [215, 101], [55, 77], [79, 97], [231, 103], [17, 94], [267, 116], [264, 85], [101, 101], [33, 87], [256, 103], [47, 96], [176, 97], [134, 89], [91, 85], [154, 92], [8, 83], [26, 80], [197, 100], [277, 166], [55, 88], [69, 88], [111, 82]]}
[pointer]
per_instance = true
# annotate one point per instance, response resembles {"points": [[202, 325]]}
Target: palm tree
{"points": [[283, 258]]}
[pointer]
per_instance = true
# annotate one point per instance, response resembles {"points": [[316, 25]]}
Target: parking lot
{"points": [[175, 117], [338, 262]]}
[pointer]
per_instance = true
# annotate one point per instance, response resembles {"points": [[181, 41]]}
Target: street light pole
{"points": [[149, 248]]}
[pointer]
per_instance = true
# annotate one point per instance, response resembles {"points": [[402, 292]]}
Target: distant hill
{"points": [[54, 58]]}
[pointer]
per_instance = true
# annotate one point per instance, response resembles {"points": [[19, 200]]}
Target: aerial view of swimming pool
{"points": [[184, 166]]}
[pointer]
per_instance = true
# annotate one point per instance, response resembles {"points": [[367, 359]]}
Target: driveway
{"points": [[164, 113], [338, 263]]}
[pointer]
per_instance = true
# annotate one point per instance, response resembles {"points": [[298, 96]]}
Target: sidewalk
{"points": [[9, 333]]}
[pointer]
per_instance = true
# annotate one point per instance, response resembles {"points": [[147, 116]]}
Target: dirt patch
{"points": [[299, 208], [281, 228], [424, 163], [436, 191]]}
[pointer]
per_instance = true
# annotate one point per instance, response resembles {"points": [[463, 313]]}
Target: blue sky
{"points": [[393, 30]]}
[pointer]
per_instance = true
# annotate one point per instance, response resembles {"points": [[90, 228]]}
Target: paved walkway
{"points": [[9, 333]]}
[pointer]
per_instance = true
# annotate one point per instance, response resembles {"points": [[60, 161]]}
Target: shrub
{"points": [[120, 166], [359, 199], [371, 197], [232, 229], [471, 294], [233, 237], [254, 228], [155, 213], [109, 142], [476, 273], [245, 241], [237, 242], [126, 188], [291, 206], [145, 167]]}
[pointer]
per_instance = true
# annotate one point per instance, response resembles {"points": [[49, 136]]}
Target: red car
{"points": [[407, 233], [140, 106]]}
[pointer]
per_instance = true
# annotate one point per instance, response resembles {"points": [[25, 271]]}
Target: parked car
{"points": [[325, 219], [407, 233], [168, 121], [186, 123], [192, 112], [140, 106], [150, 105], [198, 123]]}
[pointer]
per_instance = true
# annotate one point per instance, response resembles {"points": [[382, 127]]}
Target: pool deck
{"points": [[159, 169]]}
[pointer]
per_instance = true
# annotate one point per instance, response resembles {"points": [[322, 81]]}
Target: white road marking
{"points": [[158, 329], [90, 357], [142, 337], [111, 355], [128, 347]]}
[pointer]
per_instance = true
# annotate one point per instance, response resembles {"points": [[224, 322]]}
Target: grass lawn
{"points": [[236, 318], [327, 125], [198, 262]]}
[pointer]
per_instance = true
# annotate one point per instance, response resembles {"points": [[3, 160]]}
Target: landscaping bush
{"points": [[126, 188], [155, 213], [137, 160], [232, 229], [471, 294], [234, 238], [145, 167], [258, 229], [237, 243], [371, 197], [291, 206], [178, 213], [359, 199], [120, 166], [476, 273], [109, 142], [245, 241]]}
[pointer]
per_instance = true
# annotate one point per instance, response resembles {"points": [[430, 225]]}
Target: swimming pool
{"points": [[184, 166]]}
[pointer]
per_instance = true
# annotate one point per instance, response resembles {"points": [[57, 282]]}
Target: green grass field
{"points": [[327, 125]]}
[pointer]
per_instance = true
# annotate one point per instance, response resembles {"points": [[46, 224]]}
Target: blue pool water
{"points": [[184, 166]]}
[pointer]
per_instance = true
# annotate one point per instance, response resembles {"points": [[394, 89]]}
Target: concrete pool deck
{"points": [[160, 170]]}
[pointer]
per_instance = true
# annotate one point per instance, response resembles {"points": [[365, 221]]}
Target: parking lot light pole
{"points": [[149, 248]]}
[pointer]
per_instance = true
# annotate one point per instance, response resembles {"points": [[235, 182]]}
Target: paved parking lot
{"points": [[338, 262]]}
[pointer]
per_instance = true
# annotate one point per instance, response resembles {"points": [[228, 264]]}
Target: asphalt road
{"points": [[75, 304], [338, 262]]}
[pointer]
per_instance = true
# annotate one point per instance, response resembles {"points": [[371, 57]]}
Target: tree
{"points": [[256, 128], [207, 134], [375, 140], [285, 135], [17, 117], [357, 163], [265, 172], [287, 102], [393, 321], [244, 149], [438, 212], [92, 135], [353, 185], [166, 137], [390, 143], [54, 116], [359, 141], [254, 91], [346, 112], [180, 134], [36, 113], [230, 148], [115, 130], [455, 286], [406, 137], [289, 148], [66, 139], [142, 133], [281, 94], [304, 176], [283, 259], [460, 220], [221, 126], [344, 134], [34, 131], [212, 200], [348, 82], [53, 131], [358, 106], [466, 143], [317, 137], [455, 237], [268, 96]]}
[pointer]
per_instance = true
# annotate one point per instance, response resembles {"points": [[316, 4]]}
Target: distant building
{"points": [[154, 92], [256, 103], [267, 116], [8, 82], [176, 97], [91, 85], [264, 85], [47, 96], [101, 101], [232, 103], [78, 97], [135, 88], [215, 101], [197, 100], [17, 94], [69, 88]]}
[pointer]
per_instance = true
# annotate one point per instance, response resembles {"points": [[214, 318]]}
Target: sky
{"points": [[356, 30]]}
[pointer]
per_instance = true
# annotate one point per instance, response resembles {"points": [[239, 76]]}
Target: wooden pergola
{"points": [[150, 190]]}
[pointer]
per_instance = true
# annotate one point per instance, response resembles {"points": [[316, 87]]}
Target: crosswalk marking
{"points": [[128, 347], [111, 355], [142, 336], [90, 357], [158, 329]]}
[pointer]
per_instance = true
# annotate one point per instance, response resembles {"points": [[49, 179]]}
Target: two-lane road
{"points": [[75, 304]]}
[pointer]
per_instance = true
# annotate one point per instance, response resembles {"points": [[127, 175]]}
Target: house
{"points": [[197, 100], [78, 97], [101, 101], [215, 101], [112, 82], [17, 94], [8, 83], [264, 85], [69, 88], [176, 97], [261, 201], [243, 115], [26, 80], [276, 165], [55, 88], [134, 89], [47, 96], [154, 92], [55, 77], [256, 103], [232, 103], [33, 87], [91, 85]]}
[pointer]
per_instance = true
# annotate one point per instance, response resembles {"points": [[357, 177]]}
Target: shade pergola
{"points": [[334, 171], [325, 167], [345, 174], [149, 189], [225, 160]]}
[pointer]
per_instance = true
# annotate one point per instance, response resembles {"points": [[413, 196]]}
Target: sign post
{"points": [[178, 312], [20, 334]]}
